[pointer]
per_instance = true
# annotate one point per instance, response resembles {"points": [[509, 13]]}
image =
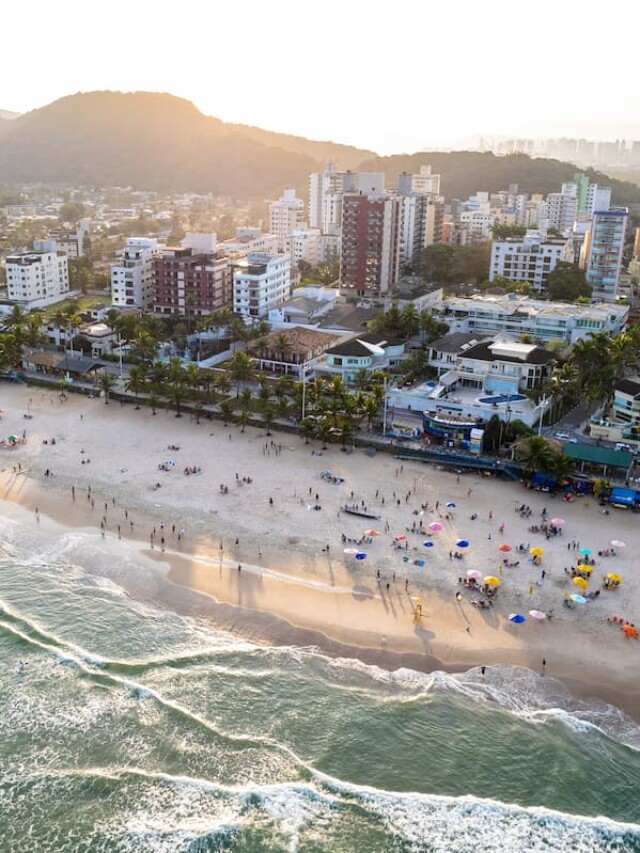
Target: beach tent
{"points": [[623, 497]]}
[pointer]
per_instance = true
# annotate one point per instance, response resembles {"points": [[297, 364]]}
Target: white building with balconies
{"points": [[37, 279], [132, 279], [260, 283]]}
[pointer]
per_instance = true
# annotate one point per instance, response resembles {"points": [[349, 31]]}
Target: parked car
{"points": [[564, 436]]}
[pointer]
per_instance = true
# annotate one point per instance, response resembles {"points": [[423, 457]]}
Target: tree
{"points": [[436, 261], [105, 384], [307, 429], [501, 231], [71, 212], [567, 282], [226, 410], [136, 381], [538, 454], [240, 369]]}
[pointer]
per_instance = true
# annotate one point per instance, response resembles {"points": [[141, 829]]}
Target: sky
{"points": [[395, 77]]}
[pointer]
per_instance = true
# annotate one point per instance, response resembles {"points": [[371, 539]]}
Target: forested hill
{"points": [[465, 172], [161, 142], [156, 141]]}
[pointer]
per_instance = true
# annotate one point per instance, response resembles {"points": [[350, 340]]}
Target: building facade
{"points": [[530, 258], [285, 215], [608, 229], [370, 256], [132, 279], [260, 283], [191, 284], [37, 279]]}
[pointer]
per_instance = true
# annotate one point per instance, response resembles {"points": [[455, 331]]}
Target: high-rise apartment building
{"points": [[285, 216], [132, 278], [530, 258], [608, 229], [261, 282], [370, 257], [191, 283], [425, 182], [562, 208], [37, 279]]}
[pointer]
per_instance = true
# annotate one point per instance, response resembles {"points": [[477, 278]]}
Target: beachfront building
{"points": [[445, 351], [530, 258], [370, 255], [488, 378], [132, 278], [307, 307], [371, 352], [608, 229], [261, 282], [621, 423], [190, 283], [293, 352], [285, 216], [37, 279], [520, 315]]}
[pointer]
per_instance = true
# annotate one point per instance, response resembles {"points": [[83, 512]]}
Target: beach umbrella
{"points": [[518, 618], [504, 548], [537, 614], [400, 538], [351, 551], [584, 568], [12, 438], [492, 580], [579, 599], [435, 525], [537, 551], [613, 577], [618, 543], [428, 544], [361, 556], [462, 543], [585, 550], [630, 631], [451, 505], [583, 583], [557, 522], [475, 574], [371, 533], [419, 563]]}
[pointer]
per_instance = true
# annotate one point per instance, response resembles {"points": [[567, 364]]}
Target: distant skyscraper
{"points": [[608, 230], [370, 262]]}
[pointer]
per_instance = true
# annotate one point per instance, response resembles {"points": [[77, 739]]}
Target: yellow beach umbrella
{"points": [[492, 580], [583, 583], [613, 577], [537, 551], [584, 568]]}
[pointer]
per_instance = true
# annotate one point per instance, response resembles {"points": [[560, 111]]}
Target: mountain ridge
{"points": [[156, 141]]}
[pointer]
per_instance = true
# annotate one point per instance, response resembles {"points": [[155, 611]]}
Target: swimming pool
{"points": [[498, 399]]}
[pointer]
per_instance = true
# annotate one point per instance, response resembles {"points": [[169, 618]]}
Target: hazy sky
{"points": [[399, 76]]}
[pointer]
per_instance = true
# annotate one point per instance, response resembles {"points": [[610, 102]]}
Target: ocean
{"points": [[134, 727]]}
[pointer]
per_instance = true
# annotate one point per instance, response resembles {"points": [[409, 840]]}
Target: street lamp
{"points": [[543, 406]]}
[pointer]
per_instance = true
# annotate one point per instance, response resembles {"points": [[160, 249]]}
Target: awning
{"points": [[449, 378]]}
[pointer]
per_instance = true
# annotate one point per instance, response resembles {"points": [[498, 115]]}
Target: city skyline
{"points": [[393, 83]]}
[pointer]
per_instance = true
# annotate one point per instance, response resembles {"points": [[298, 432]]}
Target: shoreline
{"points": [[292, 592]]}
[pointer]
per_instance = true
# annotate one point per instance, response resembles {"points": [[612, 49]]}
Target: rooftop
{"points": [[509, 351], [511, 303], [456, 341], [628, 386]]}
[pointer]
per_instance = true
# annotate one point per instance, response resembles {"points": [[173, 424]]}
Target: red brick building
{"points": [[191, 283], [370, 262]]}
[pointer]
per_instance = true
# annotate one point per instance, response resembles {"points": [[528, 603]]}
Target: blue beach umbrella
{"points": [[361, 556], [451, 505], [462, 543], [579, 599], [585, 550], [428, 544], [517, 618]]}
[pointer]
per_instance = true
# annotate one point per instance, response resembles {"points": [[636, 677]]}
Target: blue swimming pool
{"points": [[497, 399]]}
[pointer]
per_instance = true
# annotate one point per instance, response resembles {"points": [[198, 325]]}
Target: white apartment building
{"points": [[562, 210], [530, 258], [285, 216], [425, 182], [598, 198], [302, 245], [132, 278], [261, 282], [37, 279], [518, 315]]}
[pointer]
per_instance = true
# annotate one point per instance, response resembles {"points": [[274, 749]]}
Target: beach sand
{"points": [[290, 589]]}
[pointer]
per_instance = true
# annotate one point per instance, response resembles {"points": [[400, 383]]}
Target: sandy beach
{"points": [[84, 464]]}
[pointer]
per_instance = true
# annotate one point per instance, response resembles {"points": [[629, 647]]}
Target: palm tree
{"points": [[176, 396], [240, 369], [33, 334], [324, 431], [238, 331], [226, 410], [537, 454], [268, 416], [561, 465], [136, 380], [153, 402], [307, 429], [106, 383]]}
